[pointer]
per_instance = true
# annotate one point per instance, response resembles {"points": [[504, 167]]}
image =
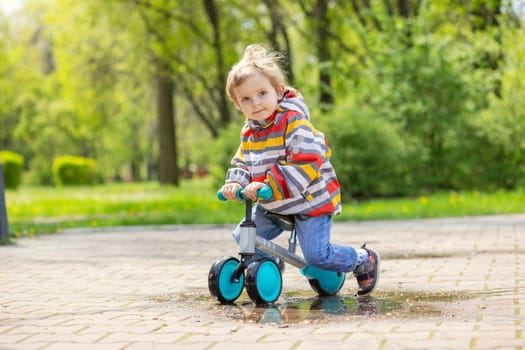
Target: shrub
{"points": [[12, 164], [368, 154], [39, 172], [72, 170]]}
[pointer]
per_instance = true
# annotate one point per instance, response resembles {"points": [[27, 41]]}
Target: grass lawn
{"points": [[35, 210]]}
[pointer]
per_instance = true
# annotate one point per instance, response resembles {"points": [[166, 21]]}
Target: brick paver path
{"points": [[445, 284]]}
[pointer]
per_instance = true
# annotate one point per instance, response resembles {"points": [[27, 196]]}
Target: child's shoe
{"points": [[367, 273]]}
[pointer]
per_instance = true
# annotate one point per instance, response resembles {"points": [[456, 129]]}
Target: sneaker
{"points": [[367, 273]]}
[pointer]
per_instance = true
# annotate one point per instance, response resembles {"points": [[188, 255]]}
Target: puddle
{"points": [[318, 310], [300, 308]]}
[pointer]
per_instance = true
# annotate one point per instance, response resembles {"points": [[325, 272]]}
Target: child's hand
{"points": [[229, 190], [250, 191]]}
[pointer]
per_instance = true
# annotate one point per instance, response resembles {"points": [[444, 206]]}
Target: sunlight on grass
{"points": [[40, 209], [34, 210], [444, 204]]}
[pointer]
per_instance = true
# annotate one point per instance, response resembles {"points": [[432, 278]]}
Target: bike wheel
{"points": [[263, 281], [328, 285], [220, 281], [325, 283]]}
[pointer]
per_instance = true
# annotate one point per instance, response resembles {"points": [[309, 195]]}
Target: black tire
{"points": [[219, 280], [264, 281], [324, 290]]}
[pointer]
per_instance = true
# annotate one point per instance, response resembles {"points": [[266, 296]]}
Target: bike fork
{"points": [[247, 239]]}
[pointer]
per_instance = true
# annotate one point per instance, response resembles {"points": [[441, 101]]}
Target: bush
{"points": [[420, 97], [490, 152], [368, 154], [12, 164], [39, 172], [72, 170]]}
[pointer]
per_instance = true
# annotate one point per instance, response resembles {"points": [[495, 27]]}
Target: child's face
{"points": [[256, 98]]}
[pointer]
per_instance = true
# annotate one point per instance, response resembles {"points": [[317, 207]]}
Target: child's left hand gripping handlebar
{"points": [[263, 193]]}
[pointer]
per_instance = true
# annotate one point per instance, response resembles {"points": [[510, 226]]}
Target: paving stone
{"points": [[453, 283]]}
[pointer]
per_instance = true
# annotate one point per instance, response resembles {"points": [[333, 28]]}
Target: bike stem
{"points": [[246, 242], [249, 241]]}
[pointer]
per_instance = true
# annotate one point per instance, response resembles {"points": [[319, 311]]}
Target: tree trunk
{"points": [[168, 172], [403, 8], [224, 104], [326, 96], [279, 28], [4, 225]]}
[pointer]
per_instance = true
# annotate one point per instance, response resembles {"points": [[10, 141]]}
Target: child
{"points": [[281, 148]]}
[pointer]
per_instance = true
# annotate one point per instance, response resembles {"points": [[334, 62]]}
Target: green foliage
{"points": [[414, 103], [12, 164], [368, 154], [104, 105], [425, 101], [499, 130], [73, 170]]}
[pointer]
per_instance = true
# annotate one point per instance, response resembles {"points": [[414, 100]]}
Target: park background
{"points": [[421, 103]]}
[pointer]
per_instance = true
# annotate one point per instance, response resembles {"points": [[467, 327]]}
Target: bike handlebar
{"points": [[263, 193]]}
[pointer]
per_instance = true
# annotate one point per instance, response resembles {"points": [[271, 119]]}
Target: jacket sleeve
{"points": [[239, 173], [305, 152]]}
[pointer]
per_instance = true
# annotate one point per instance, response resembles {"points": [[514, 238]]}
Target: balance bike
{"points": [[262, 277]]}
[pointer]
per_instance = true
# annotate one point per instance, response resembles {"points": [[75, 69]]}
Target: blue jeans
{"points": [[313, 233]]}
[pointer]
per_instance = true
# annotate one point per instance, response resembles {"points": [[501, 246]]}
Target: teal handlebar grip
{"points": [[239, 195], [220, 196], [263, 193]]}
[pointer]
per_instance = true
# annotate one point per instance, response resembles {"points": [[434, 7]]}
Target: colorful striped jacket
{"points": [[292, 157]]}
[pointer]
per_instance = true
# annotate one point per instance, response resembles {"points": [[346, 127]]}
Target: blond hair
{"points": [[256, 59]]}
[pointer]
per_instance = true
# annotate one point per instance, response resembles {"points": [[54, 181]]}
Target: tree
{"points": [[214, 19], [147, 89], [318, 13], [278, 35], [165, 90], [168, 156]]}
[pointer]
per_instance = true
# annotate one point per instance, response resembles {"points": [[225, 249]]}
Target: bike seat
{"points": [[285, 222]]}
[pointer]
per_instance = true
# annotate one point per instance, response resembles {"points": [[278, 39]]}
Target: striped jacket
{"points": [[292, 157]]}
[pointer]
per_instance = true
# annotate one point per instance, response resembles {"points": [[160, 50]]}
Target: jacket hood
{"points": [[292, 101]]}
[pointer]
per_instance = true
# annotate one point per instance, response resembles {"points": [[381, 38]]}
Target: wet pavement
{"points": [[445, 284]]}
